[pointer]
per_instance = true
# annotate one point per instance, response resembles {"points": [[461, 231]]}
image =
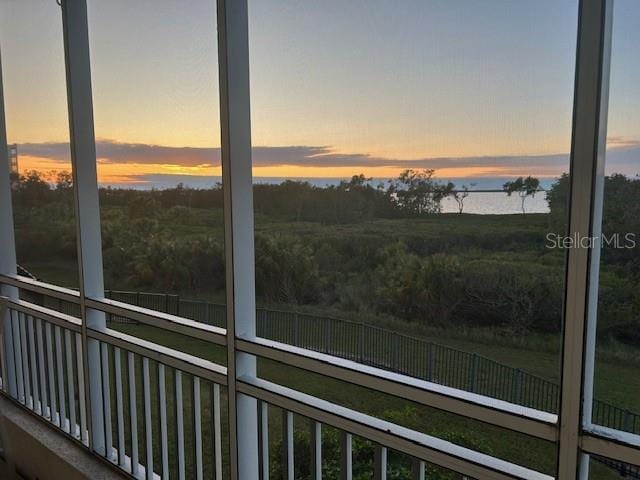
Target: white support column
{"points": [[233, 53], [7, 248], [587, 171], [83, 158]]}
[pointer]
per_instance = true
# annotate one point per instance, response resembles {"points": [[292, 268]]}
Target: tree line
{"points": [[414, 193], [315, 247]]}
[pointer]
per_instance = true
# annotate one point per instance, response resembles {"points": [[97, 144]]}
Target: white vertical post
{"points": [[264, 440], [7, 249], [346, 456], [162, 406], [287, 445], [596, 219], [81, 391], [70, 382], [53, 406], [235, 122], [418, 468], [60, 376], [217, 434], [17, 351], [197, 427], [380, 463], [35, 391], [24, 349], [83, 158], [117, 368], [316, 449], [133, 414], [106, 400], [42, 371], [587, 157], [148, 433], [180, 425], [3, 308]]}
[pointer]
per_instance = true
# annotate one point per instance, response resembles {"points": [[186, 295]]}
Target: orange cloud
{"points": [[128, 162]]}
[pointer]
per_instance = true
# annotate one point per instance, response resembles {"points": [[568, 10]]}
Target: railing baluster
{"points": [[106, 400], [17, 350], [84, 432], [316, 450], [197, 427], [346, 460], [133, 414], [55, 416], [380, 463], [37, 406], [179, 424], [162, 406], [44, 402], [287, 445], [60, 375], [70, 383], [418, 469], [24, 349], [217, 435], [148, 443], [3, 356], [117, 367], [263, 439]]}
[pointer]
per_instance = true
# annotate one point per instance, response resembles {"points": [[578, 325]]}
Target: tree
{"points": [[459, 195], [557, 197], [33, 189], [416, 192], [64, 181], [526, 187]]}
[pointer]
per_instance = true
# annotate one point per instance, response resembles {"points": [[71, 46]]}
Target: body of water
{"points": [[480, 203], [497, 203]]}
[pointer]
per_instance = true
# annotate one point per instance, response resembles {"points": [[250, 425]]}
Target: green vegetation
{"points": [[352, 250], [524, 187], [383, 254]]}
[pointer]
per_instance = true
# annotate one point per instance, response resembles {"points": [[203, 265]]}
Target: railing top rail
{"points": [[36, 286], [43, 313], [431, 449], [612, 443], [165, 355], [526, 420], [155, 294], [203, 331], [162, 320], [201, 302]]}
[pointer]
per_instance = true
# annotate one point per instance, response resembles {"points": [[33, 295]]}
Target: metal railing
{"points": [[161, 410], [390, 350], [156, 402]]}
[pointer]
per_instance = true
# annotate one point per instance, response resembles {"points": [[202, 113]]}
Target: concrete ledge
{"points": [[35, 451]]}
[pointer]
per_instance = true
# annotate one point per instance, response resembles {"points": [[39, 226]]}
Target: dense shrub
{"points": [[436, 270], [446, 291], [285, 270]]}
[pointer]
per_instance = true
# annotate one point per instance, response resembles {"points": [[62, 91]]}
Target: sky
{"points": [[471, 88]]}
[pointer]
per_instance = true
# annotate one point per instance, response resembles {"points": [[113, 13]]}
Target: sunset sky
{"points": [[339, 87]]}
